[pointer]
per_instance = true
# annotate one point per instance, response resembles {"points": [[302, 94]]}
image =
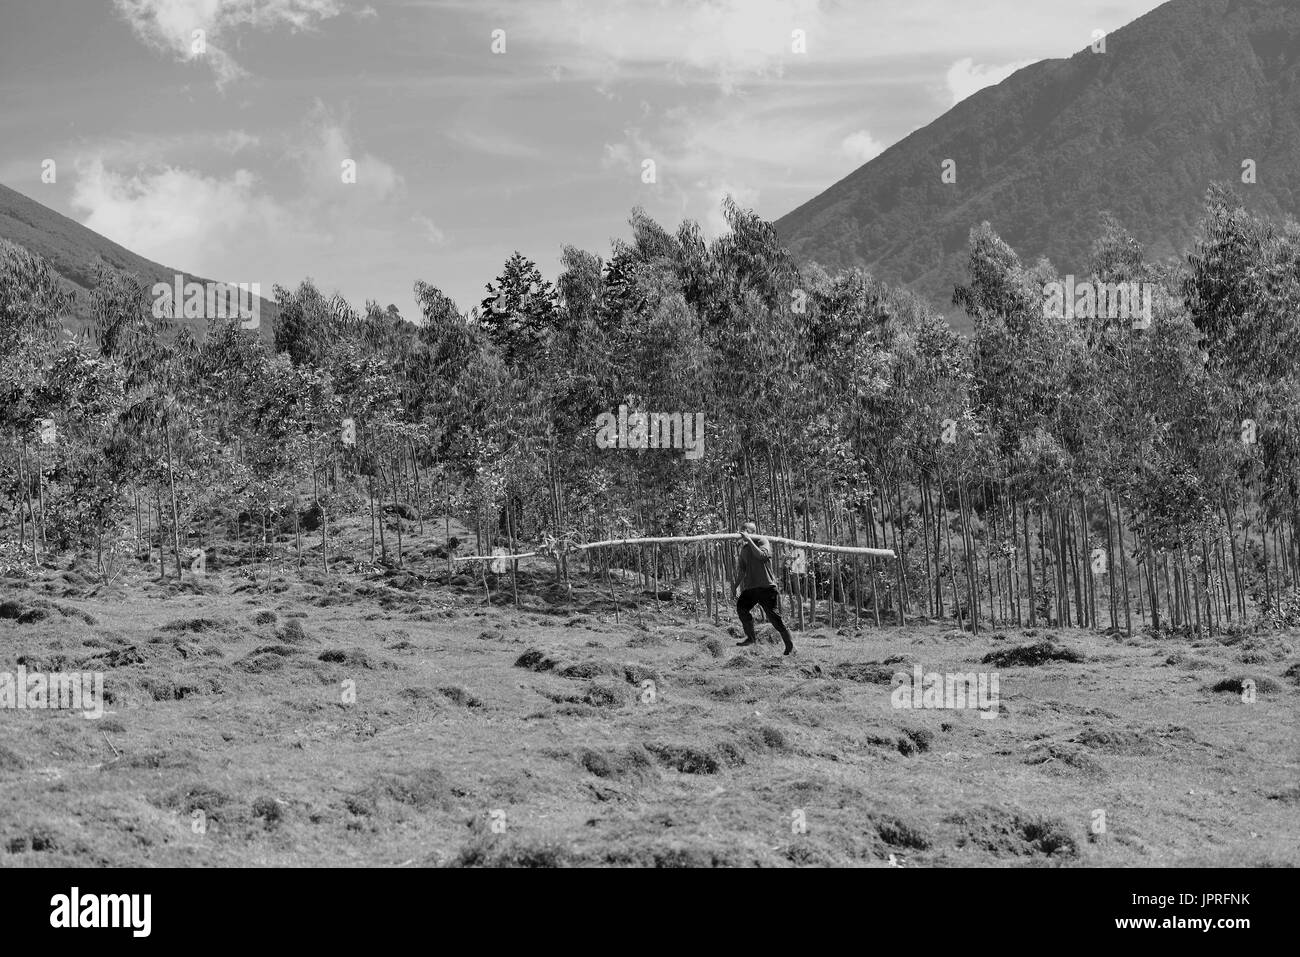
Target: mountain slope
{"points": [[1179, 99], [73, 251]]}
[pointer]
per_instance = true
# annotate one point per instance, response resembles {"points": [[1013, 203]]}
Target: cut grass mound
{"points": [[1237, 684], [292, 633], [354, 657], [424, 789], [460, 696], [215, 804], [864, 672], [731, 753], [199, 626], [591, 669], [1039, 653], [488, 853], [897, 832], [633, 762], [32, 611], [598, 694], [484, 852], [686, 758], [1064, 759], [1010, 834], [534, 659], [1114, 741], [263, 661]]}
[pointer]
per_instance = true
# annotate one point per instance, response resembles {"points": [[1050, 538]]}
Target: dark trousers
{"points": [[770, 601]]}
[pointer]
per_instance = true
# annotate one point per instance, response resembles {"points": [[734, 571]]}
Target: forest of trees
{"points": [[1043, 471]]}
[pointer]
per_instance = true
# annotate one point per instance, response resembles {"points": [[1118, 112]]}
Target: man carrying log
{"points": [[756, 585]]}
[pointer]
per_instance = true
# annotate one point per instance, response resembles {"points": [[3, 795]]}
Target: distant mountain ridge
{"points": [[1181, 97], [73, 252]]}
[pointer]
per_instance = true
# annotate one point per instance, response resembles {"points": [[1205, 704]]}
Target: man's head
{"points": [[749, 528]]}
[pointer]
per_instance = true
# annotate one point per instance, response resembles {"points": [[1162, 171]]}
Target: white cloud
{"points": [[714, 222], [966, 77], [320, 148], [177, 216], [861, 146], [169, 25], [725, 41], [429, 229], [628, 155], [151, 148], [224, 226], [493, 143]]}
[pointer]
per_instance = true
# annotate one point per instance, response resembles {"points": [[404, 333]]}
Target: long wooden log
{"points": [[684, 539]]}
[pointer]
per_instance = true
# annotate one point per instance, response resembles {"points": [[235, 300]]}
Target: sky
{"points": [[368, 144]]}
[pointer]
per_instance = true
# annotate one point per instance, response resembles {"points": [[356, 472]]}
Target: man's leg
{"points": [[746, 601], [771, 602]]}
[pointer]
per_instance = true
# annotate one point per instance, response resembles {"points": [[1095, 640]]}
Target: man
{"points": [[756, 585]]}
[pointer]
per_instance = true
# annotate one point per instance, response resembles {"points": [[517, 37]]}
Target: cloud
{"points": [[169, 25], [429, 230], [965, 77], [628, 155], [145, 149], [861, 146], [722, 41], [224, 225], [493, 143], [177, 216], [715, 223], [321, 146]]}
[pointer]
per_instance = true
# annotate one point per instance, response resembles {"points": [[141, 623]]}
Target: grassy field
{"points": [[380, 718]]}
